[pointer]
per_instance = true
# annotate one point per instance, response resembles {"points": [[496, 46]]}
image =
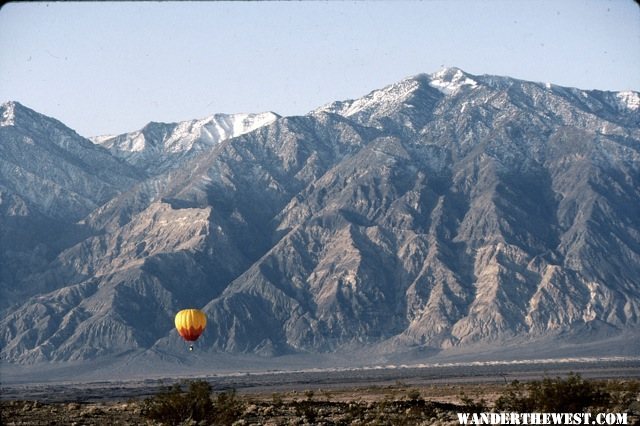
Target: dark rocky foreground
{"points": [[37, 413], [410, 396], [397, 404], [322, 411]]}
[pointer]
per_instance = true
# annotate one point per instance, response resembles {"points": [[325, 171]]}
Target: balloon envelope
{"points": [[190, 323]]}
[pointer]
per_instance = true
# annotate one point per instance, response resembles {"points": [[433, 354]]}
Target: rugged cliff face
{"points": [[441, 211]]}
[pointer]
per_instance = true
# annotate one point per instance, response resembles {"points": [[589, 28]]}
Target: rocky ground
{"points": [[37, 413], [396, 404], [256, 413]]}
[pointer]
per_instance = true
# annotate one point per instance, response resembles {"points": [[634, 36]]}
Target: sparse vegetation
{"points": [[413, 394], [228, 408], [573, 394], [276, 398], [173, 405], [470, 405], [309, 394], [194, 403]]}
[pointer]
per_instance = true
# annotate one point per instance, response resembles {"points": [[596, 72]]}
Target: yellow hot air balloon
{"points": [[190, 324]]}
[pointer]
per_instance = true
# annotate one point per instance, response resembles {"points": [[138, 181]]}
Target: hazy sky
{"points": [[112, 67]]}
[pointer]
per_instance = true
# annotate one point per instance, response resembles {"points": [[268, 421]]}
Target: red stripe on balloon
{"points": [[190, 334]]}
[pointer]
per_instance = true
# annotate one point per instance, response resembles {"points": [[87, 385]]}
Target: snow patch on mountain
{"points": [[182, 137], [158, 147], [8, 114], [100, 140], [390, 95], [384, 101], [215, 128], [450, 80], [629, 100]]}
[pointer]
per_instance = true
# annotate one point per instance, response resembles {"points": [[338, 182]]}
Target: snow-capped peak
{"points": [[215, 128], [629, 100], [450, 80], [157, 145], [447, 81]]}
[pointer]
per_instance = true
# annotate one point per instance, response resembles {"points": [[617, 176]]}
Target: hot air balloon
{"points": [[190, 324]]}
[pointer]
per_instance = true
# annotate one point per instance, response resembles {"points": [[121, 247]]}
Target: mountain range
{"points": [[443, 212]]}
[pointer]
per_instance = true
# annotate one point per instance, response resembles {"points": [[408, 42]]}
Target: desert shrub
{"points": [[172, 405], [305, 409], [472, 406], [573, 394], [623, 393], [413, 394], [515, 398], [228, 408], [276, 399]]}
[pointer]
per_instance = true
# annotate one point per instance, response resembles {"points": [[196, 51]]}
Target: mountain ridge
{"points": [[444, 211], [156, 146]]}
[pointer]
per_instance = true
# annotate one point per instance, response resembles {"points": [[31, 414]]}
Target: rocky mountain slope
{"points": [[158, 146], [440, 212], [50, 178]]}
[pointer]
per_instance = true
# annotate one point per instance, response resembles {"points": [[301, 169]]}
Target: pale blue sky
{"points": [[112, 67]]}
